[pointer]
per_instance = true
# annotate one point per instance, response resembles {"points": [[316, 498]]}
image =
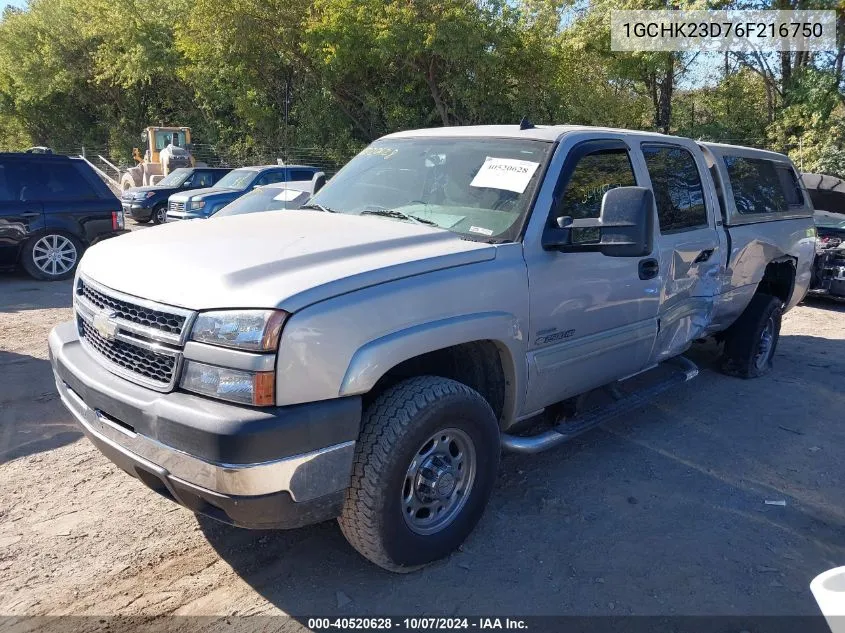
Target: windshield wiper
{"points": [[401, 215], [318, 207]]}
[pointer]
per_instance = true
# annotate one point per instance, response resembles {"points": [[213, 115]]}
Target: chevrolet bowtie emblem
{"points": [[105, 324]]}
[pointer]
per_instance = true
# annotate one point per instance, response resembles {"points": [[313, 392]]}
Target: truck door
{"points": [[689, 253], [593, 318]]}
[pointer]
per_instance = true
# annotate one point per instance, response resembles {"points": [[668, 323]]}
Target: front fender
{"points": [[376, 358], [343, 345]]}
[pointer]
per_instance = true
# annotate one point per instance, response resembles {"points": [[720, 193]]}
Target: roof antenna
{"points": [[525, 124]]}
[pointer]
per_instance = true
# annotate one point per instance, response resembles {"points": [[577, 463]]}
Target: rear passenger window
{"points": [[301, 174], [9, 186], [762, 186], [677, 188], [49, 181], [789, 183]]}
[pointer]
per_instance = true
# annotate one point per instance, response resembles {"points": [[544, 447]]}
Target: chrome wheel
{"points": [[438, 481], [160, 215], [54, 255], [765, 344]]}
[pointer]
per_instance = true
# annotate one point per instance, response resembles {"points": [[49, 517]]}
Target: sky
{"points": [[11, 3]]}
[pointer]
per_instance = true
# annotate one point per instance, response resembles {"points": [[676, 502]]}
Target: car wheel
{"points": [[425, 465], [750, 343], [51, 256], [159, 214]]}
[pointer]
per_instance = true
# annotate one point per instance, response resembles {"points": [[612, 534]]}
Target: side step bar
{"points": [[563, 433]]}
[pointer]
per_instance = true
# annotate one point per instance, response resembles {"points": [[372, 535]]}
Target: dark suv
{"points": [[51, 209], [150, 203]]}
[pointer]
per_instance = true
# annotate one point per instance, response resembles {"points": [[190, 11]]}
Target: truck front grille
{"points": [[137, 339], [155, 319], [158, 368], [176, 206]]}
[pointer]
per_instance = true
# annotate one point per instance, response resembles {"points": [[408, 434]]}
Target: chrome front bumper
{"points": [[273, 467], [305, 477]]}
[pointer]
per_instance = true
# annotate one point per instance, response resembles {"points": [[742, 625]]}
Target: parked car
{"points": [[828, 196], [276, 197], [369, 357], [52, 208], [150, 203], [204, 203]]}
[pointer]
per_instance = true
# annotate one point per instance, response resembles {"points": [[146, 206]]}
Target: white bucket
{"points": [[829, 591]]}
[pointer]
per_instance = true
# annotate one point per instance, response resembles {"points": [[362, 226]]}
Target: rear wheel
{"points": [[750, 343], [51, 256], [159, 214], [425, 465]]}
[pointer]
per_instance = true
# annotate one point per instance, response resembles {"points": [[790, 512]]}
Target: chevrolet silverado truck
{"points": [[449, 294]]}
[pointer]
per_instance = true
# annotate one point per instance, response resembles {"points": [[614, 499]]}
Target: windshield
{"points": [[175, 178], [480, 188], [264, 199], [237, 179]]}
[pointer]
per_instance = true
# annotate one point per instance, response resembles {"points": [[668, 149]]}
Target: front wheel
{"points": [[159, 214], [425, 465], [750, 343], [51, 256]]}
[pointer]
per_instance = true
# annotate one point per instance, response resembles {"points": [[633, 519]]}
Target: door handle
{"points": [[703, 256], [648, 268], [30, 215]]}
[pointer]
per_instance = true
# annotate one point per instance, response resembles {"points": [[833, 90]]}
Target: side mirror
{"points": [[625, 226]]}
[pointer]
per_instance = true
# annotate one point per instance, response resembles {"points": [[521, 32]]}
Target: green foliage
{"points": [[253, 77]]}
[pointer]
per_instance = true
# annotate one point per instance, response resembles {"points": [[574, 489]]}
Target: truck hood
{"points": [[267, 260], [208, 194]]}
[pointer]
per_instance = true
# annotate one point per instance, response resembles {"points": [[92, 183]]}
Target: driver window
{"points": [[271, 177], [202, 179], [594, 175]]}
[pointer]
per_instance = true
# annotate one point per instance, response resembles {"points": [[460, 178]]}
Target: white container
{"points": [[829, 591]]}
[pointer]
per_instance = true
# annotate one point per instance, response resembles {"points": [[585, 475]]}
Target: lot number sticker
{"points": [[505, 173]]}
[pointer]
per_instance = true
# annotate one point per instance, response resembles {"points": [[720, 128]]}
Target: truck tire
{"points": [[425, 465], [750, 343]]}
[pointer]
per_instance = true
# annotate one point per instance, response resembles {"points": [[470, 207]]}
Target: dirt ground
{"points": [[662, 512]]}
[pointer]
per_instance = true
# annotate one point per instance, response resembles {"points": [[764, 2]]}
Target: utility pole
{"points": [[287, 112], [801, 152]]}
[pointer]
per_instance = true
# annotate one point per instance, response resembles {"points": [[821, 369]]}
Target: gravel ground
{"points": [[659, 513]]}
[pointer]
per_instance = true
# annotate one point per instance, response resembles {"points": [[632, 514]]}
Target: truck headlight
{"points": [[245, 387], [249, 330], [197, 204]]}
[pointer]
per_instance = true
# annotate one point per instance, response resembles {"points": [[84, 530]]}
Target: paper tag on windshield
{"points": [[480, 229], [286, 195], [505, 173]]}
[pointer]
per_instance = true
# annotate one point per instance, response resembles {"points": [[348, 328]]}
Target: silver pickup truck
{"points": [[450, 293]]}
